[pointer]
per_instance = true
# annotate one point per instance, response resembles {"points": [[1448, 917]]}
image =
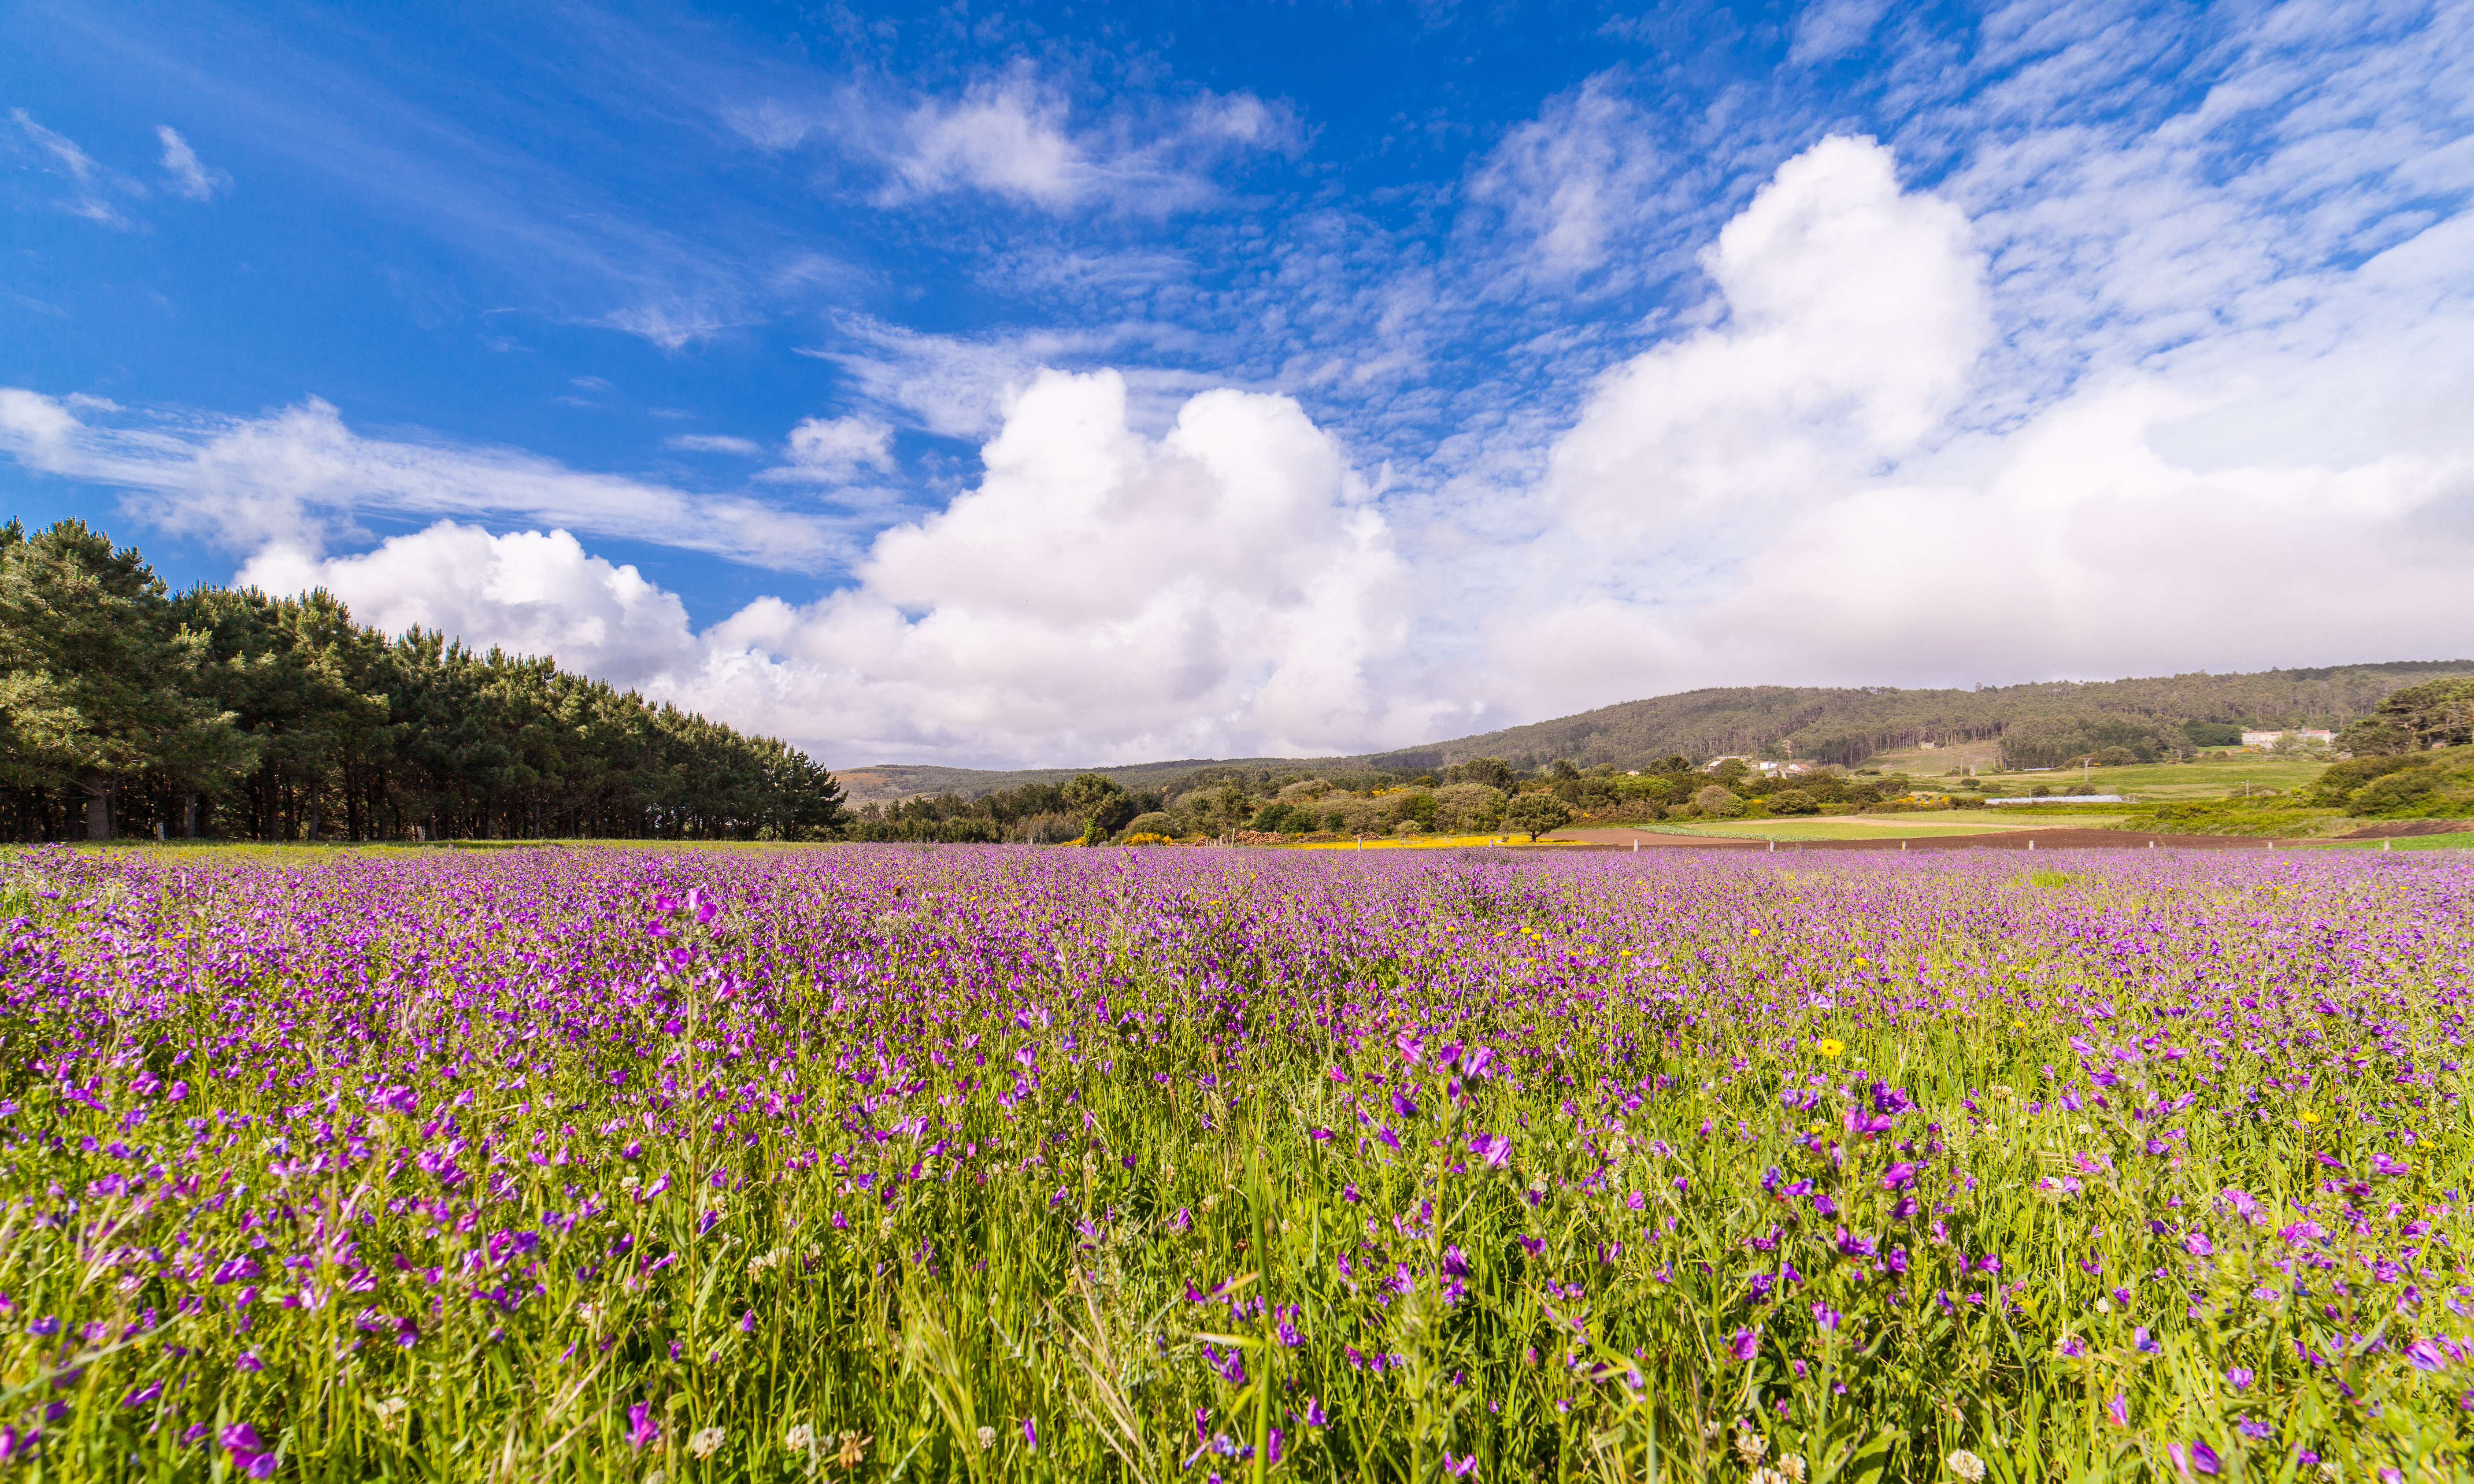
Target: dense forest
{"points": [[126, 710]]}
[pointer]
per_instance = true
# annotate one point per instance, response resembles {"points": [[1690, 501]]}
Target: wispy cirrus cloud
{"points": [[299, 476], [1018, 136], [192, 178], [90, 185], [715, 443]]}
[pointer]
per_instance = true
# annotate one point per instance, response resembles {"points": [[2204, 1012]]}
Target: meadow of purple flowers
{"points": [[980, 1162]]}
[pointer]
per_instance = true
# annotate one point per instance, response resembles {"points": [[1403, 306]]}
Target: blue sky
{"points": [[1064, 383]]}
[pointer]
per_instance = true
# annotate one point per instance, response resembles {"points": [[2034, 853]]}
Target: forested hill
{"points": [[228, 712], [2038, 725]]}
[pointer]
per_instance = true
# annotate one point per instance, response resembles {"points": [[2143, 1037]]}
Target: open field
{"points": [[1934, 761], [2201, 778], [1855, 827], [2197, 779], [980, 1162], [2455, 839]]}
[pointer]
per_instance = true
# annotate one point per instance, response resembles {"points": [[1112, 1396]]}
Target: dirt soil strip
{"points": [[2408, 829], [2007, 840]]}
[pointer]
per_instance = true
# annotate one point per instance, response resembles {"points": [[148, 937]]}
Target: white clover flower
{"points": [[1967, 1466], [705, 1442], [988, 1439], [800, 1438]]}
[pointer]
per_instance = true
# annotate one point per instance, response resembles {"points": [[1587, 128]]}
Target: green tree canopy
{"points": [[1536, 813], [97, 684]]}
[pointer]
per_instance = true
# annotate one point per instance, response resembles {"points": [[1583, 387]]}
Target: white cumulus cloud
{"points": [[1099, 594], [1808, 492], [528, 591]]}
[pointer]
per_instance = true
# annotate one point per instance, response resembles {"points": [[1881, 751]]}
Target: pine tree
{"points": [[96, 682]]}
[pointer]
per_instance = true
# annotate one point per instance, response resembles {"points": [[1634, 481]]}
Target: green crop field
{"points": [[2201, 778]]}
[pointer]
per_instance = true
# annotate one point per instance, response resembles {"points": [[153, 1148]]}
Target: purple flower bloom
{"points": [[1745, 1344], [249, 1455]]}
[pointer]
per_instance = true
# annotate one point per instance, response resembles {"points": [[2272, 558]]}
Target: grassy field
{"points": [[1868, 827], [2203, 778], [1934, 761], [1891, 827], [2463, 840]]}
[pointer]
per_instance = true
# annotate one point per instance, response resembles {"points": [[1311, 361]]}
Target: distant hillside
{"points": [[1847, 726], [1843, 725], [886, 781]]}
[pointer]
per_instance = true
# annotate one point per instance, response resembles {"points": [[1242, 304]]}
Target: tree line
{"points": [[130, 710]]}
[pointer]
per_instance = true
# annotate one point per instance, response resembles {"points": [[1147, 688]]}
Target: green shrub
{"points": [[1718, 802], [2394, 791]]}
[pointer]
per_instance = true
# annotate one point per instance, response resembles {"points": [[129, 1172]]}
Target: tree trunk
{"points": [[98, 805], [189, 818]]}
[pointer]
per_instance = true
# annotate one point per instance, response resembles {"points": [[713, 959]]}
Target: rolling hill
{"points": [[1844, 725]]}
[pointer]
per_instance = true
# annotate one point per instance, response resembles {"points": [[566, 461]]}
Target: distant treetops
{"points": [[125, 709]]}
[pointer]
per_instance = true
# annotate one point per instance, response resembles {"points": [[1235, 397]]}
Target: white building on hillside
{"points": [[2307, 735], [1760, 765]]}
